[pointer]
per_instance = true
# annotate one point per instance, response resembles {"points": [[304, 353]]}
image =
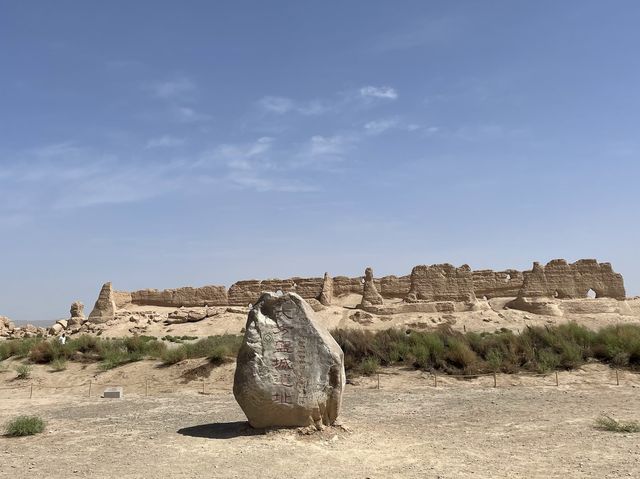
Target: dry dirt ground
{"points": [[526, 427]]}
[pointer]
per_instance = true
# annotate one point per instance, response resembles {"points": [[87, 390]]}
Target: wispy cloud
{"points": [[165, 141], [384, 92], [422, 33], [185, 114], [281, 105], [377, 127], [180, 88]]}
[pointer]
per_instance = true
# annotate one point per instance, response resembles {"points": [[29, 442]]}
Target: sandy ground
{"points": [[526, 427]]}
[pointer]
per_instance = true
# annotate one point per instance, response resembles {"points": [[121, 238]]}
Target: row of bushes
{"points": [[536, 349], [115, 352]]}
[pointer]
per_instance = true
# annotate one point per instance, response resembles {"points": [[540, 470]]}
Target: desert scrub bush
{"points": [[217, 349], [24, 426], [539, 349], [369, 366], [173, 355], [18, 348], [59, 364], [23, 371], [607, 423]]}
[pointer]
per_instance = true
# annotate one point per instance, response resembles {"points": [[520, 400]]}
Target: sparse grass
{"points": [[23, 371], [24, 426], [217, 348], [607, 423]]}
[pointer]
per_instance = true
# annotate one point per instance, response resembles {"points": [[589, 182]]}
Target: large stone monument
{"points": [[290, 370]]}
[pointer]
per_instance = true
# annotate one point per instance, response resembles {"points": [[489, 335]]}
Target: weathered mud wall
{"points": [[245, 292], [497, 284], [571, 281], [188, 297], [441, 282]]}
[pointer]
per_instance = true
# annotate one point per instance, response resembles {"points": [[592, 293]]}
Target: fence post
{"points": [[89, 387], [31, 392], [617, 378], [203, 383], [557, 384], [495, 380], [378, 380], [435, 380]]}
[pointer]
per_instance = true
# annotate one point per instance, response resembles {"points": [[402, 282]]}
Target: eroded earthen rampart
{"points": [[440, 282]]}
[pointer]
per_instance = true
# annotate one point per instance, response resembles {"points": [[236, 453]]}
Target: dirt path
{"points": [[406, 429]]}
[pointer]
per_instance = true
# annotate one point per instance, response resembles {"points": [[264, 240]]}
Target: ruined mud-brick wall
{"points": [[188, 296], [393, 286], [243, 293], [562, 280], [343, 285], [441, 282], [497, 284]]}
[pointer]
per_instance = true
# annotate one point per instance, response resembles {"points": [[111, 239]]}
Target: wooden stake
{"points": [[89, 388], [495, 380], [203, 383], [617, 378], [378, 380], [557, 383], [31, 392], [435, 380]]}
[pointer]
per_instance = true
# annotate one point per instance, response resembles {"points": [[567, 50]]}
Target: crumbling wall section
{"points": [[562, 280], [497, 284], [187, 296], [441, 282]]}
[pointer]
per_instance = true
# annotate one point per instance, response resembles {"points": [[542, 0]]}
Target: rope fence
{"points": [[147, 387]]}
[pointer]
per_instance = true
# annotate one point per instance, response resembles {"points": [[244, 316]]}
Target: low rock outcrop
{"points": [[191, 315], [441, 282], [6, 326], [105, 307], [290, 371]]}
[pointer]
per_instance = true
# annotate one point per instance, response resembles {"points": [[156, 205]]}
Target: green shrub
{"points": [[59, 364], [24, 371], [24, 426], [369, 366], [173, 356], [607, 423]]}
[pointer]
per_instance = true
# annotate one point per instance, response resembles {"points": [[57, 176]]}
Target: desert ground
{"points": [[526, 427]]}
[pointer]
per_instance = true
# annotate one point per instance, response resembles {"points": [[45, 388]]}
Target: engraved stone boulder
{"points": [[290, 370]]}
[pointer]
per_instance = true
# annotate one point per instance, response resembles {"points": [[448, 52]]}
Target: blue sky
{"points": [[162, 144]]}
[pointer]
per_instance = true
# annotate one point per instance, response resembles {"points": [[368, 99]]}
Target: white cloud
{"points": [[377, 127], [177, 88], [276, 104], [185, 114], [281, 105], [385, 92], [165, 141], [327, 146]]}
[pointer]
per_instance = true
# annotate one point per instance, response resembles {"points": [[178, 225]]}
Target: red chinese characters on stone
{"points": [[284, 346], [280, 363], [281, 397]]}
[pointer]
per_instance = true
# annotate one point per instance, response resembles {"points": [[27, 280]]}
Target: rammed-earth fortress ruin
{"points": [[435, 283]]}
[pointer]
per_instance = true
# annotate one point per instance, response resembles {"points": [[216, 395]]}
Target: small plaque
{"points": [[113, 393]]}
